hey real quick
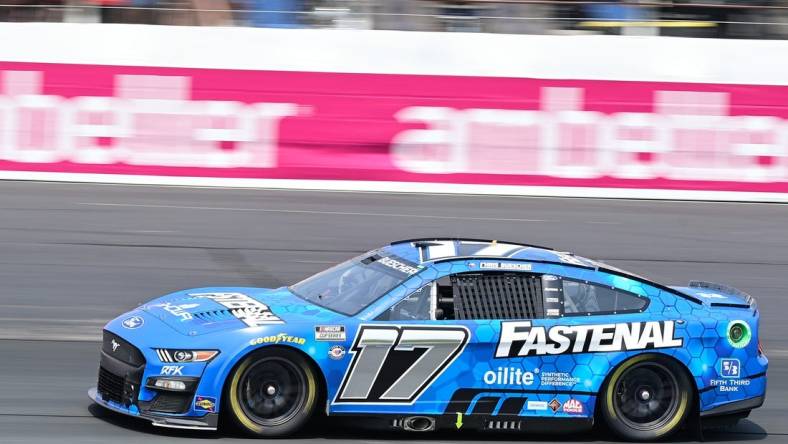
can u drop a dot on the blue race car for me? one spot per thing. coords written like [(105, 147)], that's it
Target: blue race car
[(431, 334)]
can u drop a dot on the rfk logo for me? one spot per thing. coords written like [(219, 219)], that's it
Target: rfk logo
[(172, 370)]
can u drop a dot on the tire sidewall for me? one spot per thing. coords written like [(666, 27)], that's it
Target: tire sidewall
[(248, 426), (686, 396)]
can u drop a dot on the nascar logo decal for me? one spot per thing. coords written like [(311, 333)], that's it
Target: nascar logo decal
[(246, 309), (520, 338)]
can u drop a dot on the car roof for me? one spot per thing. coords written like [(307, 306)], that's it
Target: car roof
[(427, 250), (431, 250)]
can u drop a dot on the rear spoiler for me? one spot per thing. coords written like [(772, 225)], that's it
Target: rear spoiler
[(748, 301)]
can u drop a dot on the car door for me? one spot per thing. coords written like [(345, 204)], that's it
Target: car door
[(403, 360), (475, 302), (499, 386)]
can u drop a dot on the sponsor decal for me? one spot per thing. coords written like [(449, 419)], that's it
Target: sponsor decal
[(730, 368), (250, 311), (730, 384), (278, 339), (549, 277), (179, 311), (552, 289), (330, 333), (558, 379), (133, 322), (205, 404), (508, 376), (172, 370), (521, 338), (552, 300), (115, 345), (553, 312), (505, 266), (397, 265), (336, 352), (573, 406), (536, 405), (554, 405)]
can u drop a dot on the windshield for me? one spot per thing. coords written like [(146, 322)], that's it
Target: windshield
[(351, 286)]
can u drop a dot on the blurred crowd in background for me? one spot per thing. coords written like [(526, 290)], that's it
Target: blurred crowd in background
[(698, 18)]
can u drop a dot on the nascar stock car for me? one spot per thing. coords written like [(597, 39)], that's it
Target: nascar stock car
[(431, 334)]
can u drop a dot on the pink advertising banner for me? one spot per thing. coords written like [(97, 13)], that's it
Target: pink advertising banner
[(91, 119)]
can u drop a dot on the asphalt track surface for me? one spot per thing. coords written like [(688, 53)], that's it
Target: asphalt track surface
[(73, 256)]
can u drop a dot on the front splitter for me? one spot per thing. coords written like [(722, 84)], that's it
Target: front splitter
[(207, 422)]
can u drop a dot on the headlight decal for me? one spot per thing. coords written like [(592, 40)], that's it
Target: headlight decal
[(178, 355)]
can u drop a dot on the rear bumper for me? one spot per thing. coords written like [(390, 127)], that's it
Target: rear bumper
[(732, 408), (207, 422)]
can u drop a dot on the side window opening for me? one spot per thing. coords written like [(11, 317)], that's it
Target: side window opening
[(417, 306), (468, 296), (496, 296), (444, 307), (585, 298)]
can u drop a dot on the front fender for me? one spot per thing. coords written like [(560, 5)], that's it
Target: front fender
[(329, 367)]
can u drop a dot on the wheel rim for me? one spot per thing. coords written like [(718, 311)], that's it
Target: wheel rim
[(272, 391), (646, 396)]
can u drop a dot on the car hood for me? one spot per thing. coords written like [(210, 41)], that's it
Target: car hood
[(206, 310)]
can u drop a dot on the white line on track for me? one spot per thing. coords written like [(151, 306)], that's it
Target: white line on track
[(314, 262), (777, 353), (325, 213), (403, 187), (55, 308), (56, 321)]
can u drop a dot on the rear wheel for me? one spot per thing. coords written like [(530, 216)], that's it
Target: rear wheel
[(272, 393), (647, 397)]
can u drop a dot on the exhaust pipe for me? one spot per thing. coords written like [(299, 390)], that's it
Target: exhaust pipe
[(418, 424)]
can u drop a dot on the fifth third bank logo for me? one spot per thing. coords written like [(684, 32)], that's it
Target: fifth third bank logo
[(730, 368)]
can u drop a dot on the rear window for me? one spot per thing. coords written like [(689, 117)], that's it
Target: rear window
[(585, 298)]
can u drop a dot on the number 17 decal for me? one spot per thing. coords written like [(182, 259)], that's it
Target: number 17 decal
[(395, 364)]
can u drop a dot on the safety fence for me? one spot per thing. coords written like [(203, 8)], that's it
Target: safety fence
[(582, 115), (696, 18)]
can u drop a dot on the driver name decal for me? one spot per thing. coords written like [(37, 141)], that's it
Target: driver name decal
[(521, 338), (397, 265)]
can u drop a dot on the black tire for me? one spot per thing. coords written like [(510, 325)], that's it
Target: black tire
[(647, 397), (273, 392)]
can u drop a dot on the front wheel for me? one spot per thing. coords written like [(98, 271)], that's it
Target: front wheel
[(648, 397), (272, 393)]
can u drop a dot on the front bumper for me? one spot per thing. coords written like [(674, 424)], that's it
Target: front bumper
[(207, 422), (126, 385)]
